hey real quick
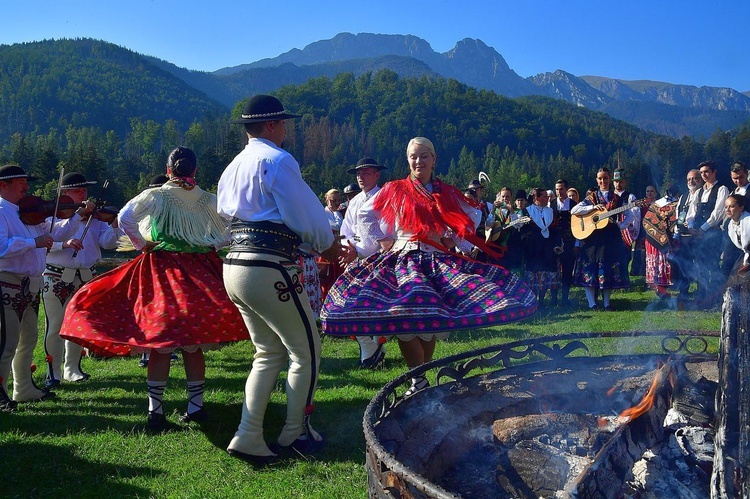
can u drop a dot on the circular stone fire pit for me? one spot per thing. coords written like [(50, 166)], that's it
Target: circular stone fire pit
[(533, 418)]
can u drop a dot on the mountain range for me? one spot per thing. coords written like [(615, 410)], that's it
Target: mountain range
[(81, 82), (666, 108)]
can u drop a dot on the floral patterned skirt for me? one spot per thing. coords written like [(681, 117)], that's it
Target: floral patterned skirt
[(159, 300), (603, 260), (658, 268), (418, 293)]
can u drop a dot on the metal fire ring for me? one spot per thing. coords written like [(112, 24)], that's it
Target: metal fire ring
[(389, 478)]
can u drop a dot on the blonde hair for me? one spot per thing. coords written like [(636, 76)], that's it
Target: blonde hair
[(332, 192), (422, 141)]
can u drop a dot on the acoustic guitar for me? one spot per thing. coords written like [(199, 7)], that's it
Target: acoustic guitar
[(495, 232), (585, 225)]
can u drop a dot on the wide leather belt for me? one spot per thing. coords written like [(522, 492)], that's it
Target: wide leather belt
[(264, 237)]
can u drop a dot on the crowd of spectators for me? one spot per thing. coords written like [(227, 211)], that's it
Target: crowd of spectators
[(682, 246)]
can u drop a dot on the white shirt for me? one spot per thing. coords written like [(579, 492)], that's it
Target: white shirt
[(717, 212), (352, 230), (542, 217), (739, 233), (334, 219), (264, 183), (99, 235), (18, 251)]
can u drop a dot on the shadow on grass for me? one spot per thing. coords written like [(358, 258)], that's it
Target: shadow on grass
[(64, 473)]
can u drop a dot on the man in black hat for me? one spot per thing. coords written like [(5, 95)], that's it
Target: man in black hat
[(70, 264), (367, 170), (272, 210), (22, 255)]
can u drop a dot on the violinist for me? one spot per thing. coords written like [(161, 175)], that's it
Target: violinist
[(70, 264), (22, 254)]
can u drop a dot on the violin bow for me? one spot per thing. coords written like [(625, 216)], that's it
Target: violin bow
[(57, 201), (88, 222)]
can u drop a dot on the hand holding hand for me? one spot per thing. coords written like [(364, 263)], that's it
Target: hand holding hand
[(348, 253)]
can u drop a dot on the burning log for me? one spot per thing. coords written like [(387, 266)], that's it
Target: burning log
[(732, 445), (640, 428)]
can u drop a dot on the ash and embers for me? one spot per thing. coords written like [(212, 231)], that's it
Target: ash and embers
[(555, 430)]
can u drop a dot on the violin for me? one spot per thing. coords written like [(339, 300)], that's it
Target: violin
[(33, 210), (106, 214)]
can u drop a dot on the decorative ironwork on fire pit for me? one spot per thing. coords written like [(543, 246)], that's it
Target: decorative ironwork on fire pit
[(389, 477)]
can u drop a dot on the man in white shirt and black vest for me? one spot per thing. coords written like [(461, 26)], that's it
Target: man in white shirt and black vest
[(709, 216)]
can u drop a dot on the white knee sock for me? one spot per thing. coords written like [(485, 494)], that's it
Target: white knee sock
[(156, 395), (195, 395)]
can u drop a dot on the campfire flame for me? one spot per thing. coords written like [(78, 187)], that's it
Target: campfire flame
[(663, 374)]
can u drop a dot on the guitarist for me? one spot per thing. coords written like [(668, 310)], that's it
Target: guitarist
[(599, 264), (561, 208)]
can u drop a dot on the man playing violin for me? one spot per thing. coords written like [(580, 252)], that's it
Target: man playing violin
[(70, 264), (22, 255)]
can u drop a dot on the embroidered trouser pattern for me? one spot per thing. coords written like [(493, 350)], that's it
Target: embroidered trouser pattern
[(269, 294), (56, 295), (18, 333)]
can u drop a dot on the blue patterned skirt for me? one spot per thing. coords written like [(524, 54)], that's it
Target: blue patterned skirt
[(417, 292)]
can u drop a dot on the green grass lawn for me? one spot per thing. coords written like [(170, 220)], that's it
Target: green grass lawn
[(90, 440)]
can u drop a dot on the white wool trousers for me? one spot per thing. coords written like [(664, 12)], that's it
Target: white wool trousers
[(269, 293), (56, 295), (18, 333)]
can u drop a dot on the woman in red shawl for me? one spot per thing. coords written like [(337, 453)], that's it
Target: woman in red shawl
[(417, 287)]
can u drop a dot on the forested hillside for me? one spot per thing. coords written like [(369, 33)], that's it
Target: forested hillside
[(522, 142), (87, 82)]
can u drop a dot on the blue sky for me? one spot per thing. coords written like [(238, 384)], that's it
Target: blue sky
[(689, 41)]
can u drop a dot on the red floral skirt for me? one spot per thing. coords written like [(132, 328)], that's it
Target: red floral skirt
[(160, 299)]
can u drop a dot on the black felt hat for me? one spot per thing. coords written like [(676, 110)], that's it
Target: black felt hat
[(9, 172), (352, 188), (158, 180), (263, 108), (75, 180), (365, 163)]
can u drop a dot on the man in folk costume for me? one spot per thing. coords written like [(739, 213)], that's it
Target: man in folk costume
[(367, 170), (70, 264), (709, 216), (272, 210), (22, 254), (561, 207), (683, 261)]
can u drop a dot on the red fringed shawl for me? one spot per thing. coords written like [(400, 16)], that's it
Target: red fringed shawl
[(423, 213)]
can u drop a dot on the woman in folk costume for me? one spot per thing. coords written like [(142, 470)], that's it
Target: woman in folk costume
[(170, 297), (416, 287), (541, 244), (599, 265), (659, 224)]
